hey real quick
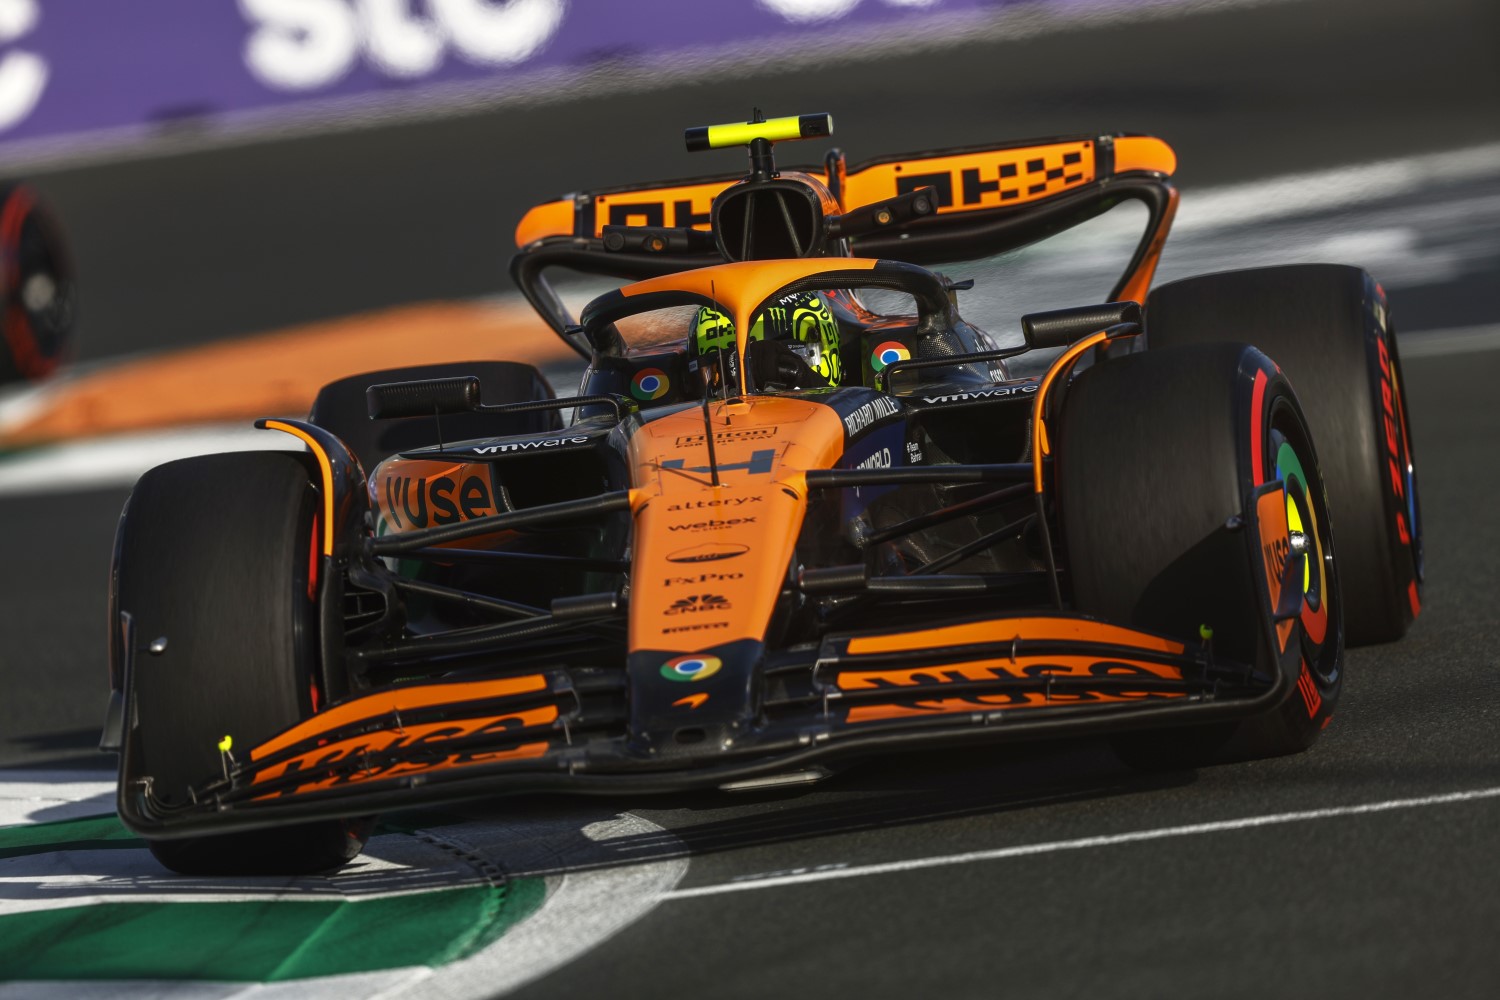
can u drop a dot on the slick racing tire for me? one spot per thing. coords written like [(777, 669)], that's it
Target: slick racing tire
[(37, 288), (1328, 328), (1158, 454), (340, 408), (216, 560)]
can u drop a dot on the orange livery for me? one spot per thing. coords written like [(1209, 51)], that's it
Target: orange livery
[(805, 506)]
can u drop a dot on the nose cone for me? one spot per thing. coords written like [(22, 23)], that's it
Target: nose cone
[(718, 525), (714, 534), (682, 704)]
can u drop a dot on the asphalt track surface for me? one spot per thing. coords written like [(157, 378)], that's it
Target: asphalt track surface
[(828, 890)]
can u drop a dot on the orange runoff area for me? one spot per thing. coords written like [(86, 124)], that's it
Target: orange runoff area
[(279, 373)]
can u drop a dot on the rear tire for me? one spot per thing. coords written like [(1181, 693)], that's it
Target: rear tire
[(1157, 452), (340, 408), (216, 557), (38, 290), (1328, 328)]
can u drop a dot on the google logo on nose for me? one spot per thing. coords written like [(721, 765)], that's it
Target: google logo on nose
[(691, 668)]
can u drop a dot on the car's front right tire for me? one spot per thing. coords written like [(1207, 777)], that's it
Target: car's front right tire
[(216, 565), (1157, 455)]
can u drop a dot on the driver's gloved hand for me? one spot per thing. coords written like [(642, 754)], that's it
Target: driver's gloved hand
[(774, 364)]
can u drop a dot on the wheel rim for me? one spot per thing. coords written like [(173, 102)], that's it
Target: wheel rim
[(1291, 459), (1302, 519)]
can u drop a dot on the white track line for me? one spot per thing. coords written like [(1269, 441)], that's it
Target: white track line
[(37, 796), (1082, 843)]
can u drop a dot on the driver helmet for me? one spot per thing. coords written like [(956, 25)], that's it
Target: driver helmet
[(802, 321)]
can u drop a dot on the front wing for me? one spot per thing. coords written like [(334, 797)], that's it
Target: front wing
[(856, 694)]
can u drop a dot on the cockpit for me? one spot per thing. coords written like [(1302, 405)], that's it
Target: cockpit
[(769, 326)]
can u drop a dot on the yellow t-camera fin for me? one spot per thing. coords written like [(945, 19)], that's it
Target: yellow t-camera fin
[(743, 133)]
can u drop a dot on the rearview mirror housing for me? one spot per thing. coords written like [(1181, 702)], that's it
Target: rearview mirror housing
[(422, 398), (1061, 327)]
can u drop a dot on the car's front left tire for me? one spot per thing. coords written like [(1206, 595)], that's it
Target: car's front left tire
[(1328, 328), (1157, 455)]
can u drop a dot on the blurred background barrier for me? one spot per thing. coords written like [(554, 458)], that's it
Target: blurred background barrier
[(99, 76)]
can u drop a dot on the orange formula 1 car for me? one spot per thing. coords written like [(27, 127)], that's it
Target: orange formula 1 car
[(804, 512)]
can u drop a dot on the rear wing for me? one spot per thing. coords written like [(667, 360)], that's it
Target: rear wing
[(989, 199)]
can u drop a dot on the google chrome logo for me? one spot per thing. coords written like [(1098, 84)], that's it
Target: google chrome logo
[(650, 383), (691, 668), (888, 354)]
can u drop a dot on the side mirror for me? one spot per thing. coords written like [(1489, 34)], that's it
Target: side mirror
[(890, 213), (658, 239), (1061, 327), (423, 398)]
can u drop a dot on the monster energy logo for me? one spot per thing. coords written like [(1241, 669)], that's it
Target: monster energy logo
[(809, 323)]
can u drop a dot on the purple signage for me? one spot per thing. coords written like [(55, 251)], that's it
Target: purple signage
[(92, 69)]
